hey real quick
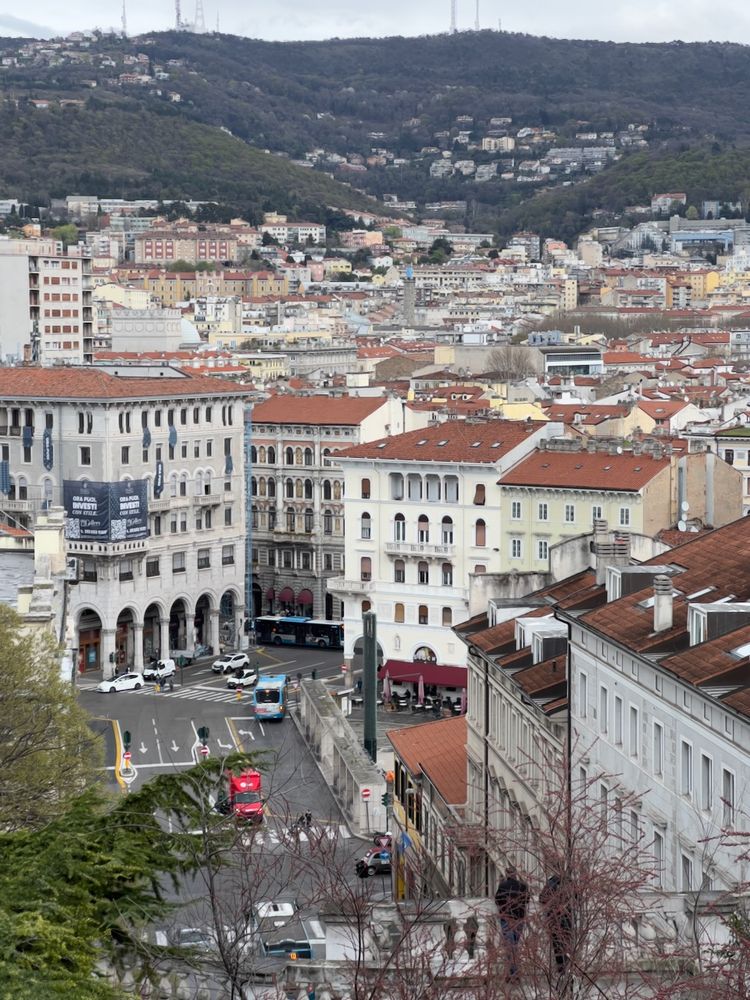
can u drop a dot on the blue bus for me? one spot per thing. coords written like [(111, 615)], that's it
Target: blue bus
[(293, 630), (270, 696)]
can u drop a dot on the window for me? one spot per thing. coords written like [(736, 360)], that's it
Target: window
[(624, 517), (583, 695), (183, 485), (658, 749), (686, 768), (423, 615), (306, 561), (515, 548), (173, 524), (85, 455), (570, 513), (729, 456), (727, 798), (308, 489), (178, 562), (542, 512), (227, 555), (634, 733), (207, 518), (479, 569), (144, 456), (365, 568), (707, 782), (423, 573), (479, 495), (204, 558), (451, 489), (196, 414), (447, 533), (183, 522), (603, 710), (447, 617), (658, 857), (126, 569), (184, 449), (309, 517), (327, 522), (542, 549), (397, 486), (398, 614), (157, 524), (365, 489), (596, 513), (399, 528), (27, 454), (480, 533), (289, 456), (289, 489), (209, 449), (199, 518), (328, 562), (686, 869), (414, 487), (89, 573), (365, 525), (515, 510), (618, 720), (447, 575), (399, 571), (423, 528), (290, 519)]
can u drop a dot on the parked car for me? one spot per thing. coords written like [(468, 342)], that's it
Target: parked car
[(159, 670), (229, 662), (125, 682), (195, 938), (245, 677), (375, 862)]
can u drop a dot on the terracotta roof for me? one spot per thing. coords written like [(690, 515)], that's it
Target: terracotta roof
[(310, 410), (94, 383), (661, 409), (437, 749), (479, 443), (712, 662), (584, 470), (590, 413)]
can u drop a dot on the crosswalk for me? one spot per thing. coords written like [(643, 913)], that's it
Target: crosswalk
[(270, 837), (196, 692)]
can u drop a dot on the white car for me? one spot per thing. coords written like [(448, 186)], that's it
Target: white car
[(230, 662), (125, 682), (243, 678)]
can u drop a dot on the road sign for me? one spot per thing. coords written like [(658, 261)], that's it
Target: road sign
[(365, 793), (127, 757), (204, 751)]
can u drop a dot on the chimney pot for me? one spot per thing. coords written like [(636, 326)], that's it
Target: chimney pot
[(663, 604)]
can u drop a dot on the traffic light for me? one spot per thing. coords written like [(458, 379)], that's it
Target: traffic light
[(203, 734), (385, 799), (126, 739)]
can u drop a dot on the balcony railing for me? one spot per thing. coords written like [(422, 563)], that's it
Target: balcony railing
[(340, 584), (19, 506), (420, 549)]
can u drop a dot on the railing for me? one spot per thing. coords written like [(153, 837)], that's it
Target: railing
[(341, 585), (419, 549)]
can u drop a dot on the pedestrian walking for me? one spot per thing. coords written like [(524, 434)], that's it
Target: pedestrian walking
[(558, 916), (512, 899)]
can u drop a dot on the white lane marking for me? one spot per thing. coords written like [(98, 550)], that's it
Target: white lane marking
[(143, 748), (158, 741), (174, 748)]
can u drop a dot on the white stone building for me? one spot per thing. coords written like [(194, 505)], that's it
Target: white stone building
[(178, 574), (422, 515)]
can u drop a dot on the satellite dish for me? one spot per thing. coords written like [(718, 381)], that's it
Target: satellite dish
[(684, 506), (681, 526), (619, 450)]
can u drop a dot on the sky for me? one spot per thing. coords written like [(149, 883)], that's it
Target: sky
[(619, 20)]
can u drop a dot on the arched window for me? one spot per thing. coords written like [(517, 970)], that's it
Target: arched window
[(327, 493), (366, 606), (327, 522), (447, 617), (423, 528), (299, 489), (447, 575), (365, 526), (253, 486), (447, 532), (365, 568), (289, 489), (199, 483), (399, 528), (433, 488), (173, 485), (308, 456), (289, 456), (253, 454), (425, 655), (47, 489), (326, 456), (272, 456), (480, 533), (298, 456), (271, 487), (336, 489), (397, 486), (365, 489), (398, 614), (262, 486), (309, 520), (23, 488), (308, 489), (262, 455), (423, 573), (183, 484), (290, 519), (423, 615), (207, 482), (399, 571)]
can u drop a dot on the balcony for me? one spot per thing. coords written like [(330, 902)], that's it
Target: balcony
[(340, 585), (207, 499), (18, 506), (107, 549), (422, 549), (162, 504)]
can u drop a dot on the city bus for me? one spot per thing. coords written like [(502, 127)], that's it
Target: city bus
[(270, 697), (291, 630)]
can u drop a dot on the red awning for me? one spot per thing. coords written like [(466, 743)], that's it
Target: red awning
[(432, 673), (305, 598), (287, 595), (270, 594)]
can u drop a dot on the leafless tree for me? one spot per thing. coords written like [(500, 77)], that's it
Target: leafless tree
[(512, 362)]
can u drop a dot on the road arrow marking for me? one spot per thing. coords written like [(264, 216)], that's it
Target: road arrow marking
[(224, 746), (143, 748), (174, 748)]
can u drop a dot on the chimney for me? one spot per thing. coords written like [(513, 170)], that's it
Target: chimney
[(663, 610)]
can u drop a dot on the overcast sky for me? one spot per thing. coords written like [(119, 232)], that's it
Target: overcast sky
[(621, 20)]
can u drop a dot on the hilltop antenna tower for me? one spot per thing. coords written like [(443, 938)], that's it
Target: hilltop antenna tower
[(476, 19), (454, 18), (200, 17), (124, 21), (177, 16)]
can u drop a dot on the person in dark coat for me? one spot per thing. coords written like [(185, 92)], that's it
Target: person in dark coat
[(558, 917), (512, 899)]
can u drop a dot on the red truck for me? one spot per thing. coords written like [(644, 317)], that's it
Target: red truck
[(243, 798)]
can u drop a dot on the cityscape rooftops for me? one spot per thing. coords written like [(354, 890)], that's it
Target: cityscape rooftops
[(316, 410), (97, 384)]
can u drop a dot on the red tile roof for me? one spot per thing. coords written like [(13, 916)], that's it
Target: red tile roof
[(591, 413), (94, 383), (437, 749), (584, 470), (472, 442), (313, 410), (661, 409)]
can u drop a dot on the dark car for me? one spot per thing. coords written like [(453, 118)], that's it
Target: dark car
[(375, 862)]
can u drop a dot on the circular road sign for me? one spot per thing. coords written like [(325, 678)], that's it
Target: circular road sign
[(365, 793)]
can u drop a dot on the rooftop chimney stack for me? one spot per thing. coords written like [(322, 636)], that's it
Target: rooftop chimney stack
[(663, 606)]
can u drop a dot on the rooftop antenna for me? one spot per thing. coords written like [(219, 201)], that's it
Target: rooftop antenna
[(476, 19), (454, 20), (124, 21), (200, 17), (218, 29)]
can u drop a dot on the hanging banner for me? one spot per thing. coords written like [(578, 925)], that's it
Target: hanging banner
[(106, 512), (128, 510), (159, 480), (48, 452)]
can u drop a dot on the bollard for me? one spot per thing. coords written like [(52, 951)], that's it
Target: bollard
[(238, 696)]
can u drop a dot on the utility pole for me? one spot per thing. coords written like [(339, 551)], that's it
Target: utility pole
[(454, 19), (370, 683)]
